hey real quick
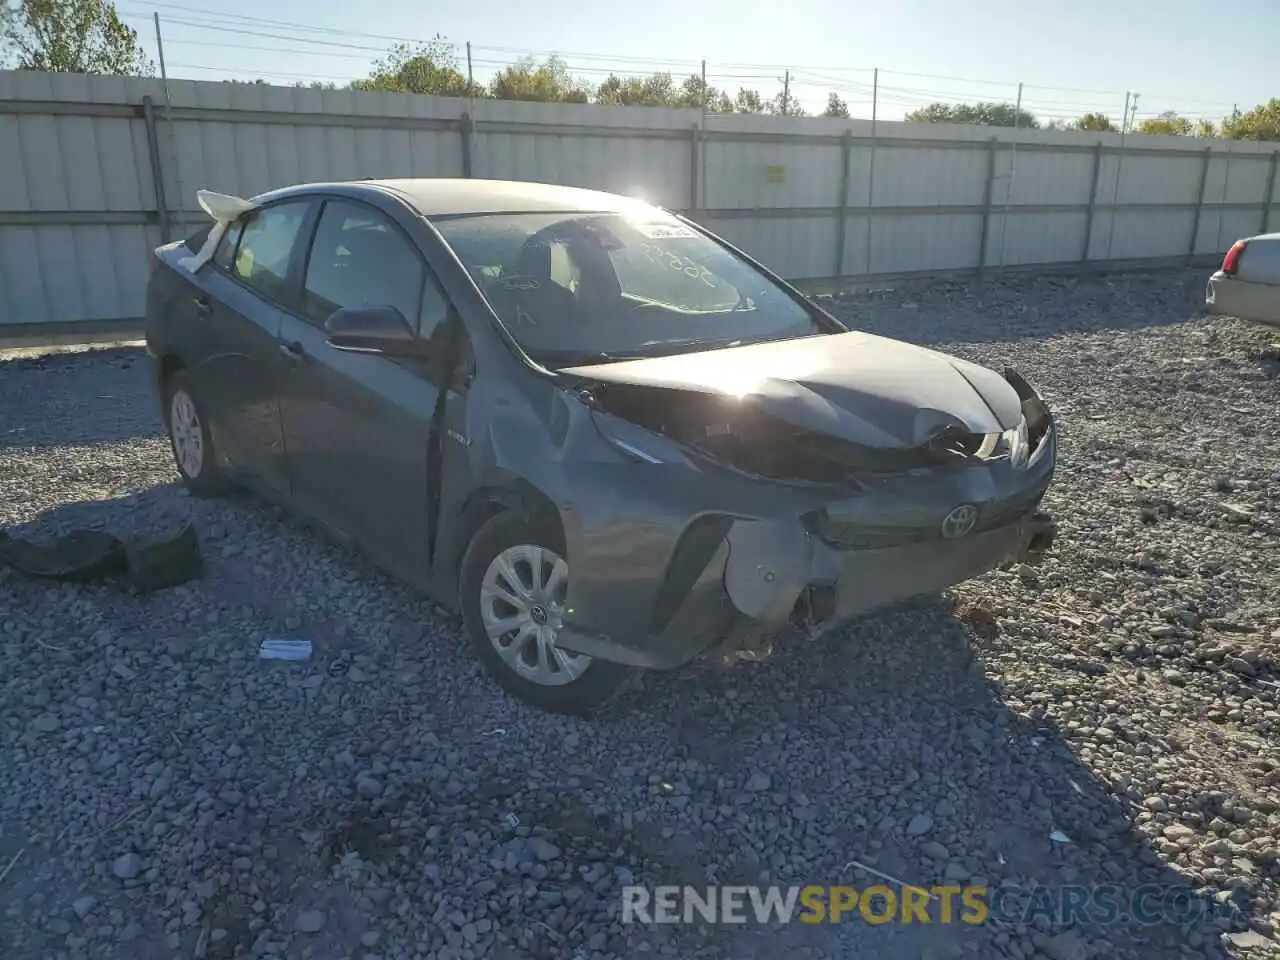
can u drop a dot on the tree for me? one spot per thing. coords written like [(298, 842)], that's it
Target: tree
[(548, 82), (1260, 123), (658, 90), (1206, 129), (748, 101), (1169, 123), (425, 68), (696, 93), (785, 104), (835, 106), (985, 114), (1095, 123), (71, 36)]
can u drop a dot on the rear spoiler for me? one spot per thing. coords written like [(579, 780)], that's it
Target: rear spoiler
[(223, 208)]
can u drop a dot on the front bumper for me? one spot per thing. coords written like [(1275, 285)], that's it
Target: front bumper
[(657, 593)]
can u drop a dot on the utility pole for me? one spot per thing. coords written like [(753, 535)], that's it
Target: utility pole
[(786, 95), (168, 116), (1013, 172), (1130, 101)]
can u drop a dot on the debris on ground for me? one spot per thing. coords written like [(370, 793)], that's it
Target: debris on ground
[(83, 556)]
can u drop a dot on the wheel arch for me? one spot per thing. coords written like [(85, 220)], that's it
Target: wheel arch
[(509, 495)]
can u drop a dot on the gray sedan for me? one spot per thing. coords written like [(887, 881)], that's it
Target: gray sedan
[(1248, 284), (610, 438)]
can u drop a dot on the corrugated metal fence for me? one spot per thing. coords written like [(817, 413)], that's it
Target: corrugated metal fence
[(95, 171)]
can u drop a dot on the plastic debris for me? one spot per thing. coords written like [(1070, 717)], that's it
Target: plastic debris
[(1059, 837), (283, 649), (513, 821)]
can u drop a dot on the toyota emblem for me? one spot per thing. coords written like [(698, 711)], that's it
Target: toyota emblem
[(959, 521)]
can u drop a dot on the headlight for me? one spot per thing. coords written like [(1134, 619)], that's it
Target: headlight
[(1018, 445)]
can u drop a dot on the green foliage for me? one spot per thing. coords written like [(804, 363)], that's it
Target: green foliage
[(1206, 129), (694, 93), (547, 82), (835, 106), (70, 36), (1095, 123), (424, 68), (1260, 123), (785, 104), (658, 90), (985, 114), (1168, 123), (748, 101)]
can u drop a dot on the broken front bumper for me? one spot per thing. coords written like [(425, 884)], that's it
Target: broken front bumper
[(660, 574)]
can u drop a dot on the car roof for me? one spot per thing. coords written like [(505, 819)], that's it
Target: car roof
[(442, 197)]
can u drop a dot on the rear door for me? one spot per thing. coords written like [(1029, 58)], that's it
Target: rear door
[(246, 287), (356, 425)]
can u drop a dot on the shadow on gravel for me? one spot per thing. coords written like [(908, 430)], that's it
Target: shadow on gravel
[(914, 766), (1024, 307), (54, 390)]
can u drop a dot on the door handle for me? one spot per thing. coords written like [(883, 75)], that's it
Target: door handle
[(293, 350), (203, 307)]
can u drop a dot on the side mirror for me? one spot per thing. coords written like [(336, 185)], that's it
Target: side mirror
[(372, 330)]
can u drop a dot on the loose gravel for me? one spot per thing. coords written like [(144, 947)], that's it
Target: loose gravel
[(164, 793)]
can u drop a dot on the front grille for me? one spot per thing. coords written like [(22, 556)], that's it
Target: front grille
[(855, 536)]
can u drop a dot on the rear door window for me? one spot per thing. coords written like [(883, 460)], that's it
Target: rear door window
[(266, 244), (225, 255)]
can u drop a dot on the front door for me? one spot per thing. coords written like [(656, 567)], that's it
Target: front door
[(357, 426)]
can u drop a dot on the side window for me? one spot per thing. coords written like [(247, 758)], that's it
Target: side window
[(358, 259), (226, 251), (266, 243), (435, 310)]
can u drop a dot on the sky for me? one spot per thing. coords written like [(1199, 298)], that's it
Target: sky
[(1072, 56)]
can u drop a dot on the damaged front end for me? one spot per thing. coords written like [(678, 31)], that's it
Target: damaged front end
[(803, 502)]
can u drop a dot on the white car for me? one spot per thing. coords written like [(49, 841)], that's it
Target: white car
[(1248, 284)]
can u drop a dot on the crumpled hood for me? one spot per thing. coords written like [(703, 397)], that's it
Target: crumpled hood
[(863, 388)]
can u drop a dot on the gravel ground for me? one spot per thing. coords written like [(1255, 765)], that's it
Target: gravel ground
[(163, 793)]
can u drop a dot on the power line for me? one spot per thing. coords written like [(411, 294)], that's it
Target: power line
[(315, 35)]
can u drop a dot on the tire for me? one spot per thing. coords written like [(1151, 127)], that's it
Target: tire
[(533, 668), (190, 440)]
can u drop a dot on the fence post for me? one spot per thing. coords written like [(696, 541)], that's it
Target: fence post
[(1271, 191), (466, 127), (157, 173), (695, 207), (986, 205), (842, 223), (1195, 222), (1093, 201)]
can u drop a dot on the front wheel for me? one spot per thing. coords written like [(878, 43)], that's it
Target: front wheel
[(514, 583), (190, 439)]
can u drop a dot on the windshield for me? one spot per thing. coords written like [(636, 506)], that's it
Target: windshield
[(579, 287)]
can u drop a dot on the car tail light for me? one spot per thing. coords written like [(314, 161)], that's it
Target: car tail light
[(1231, 262)]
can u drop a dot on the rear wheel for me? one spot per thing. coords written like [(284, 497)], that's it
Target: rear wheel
[(514, 583), (190, 439)]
